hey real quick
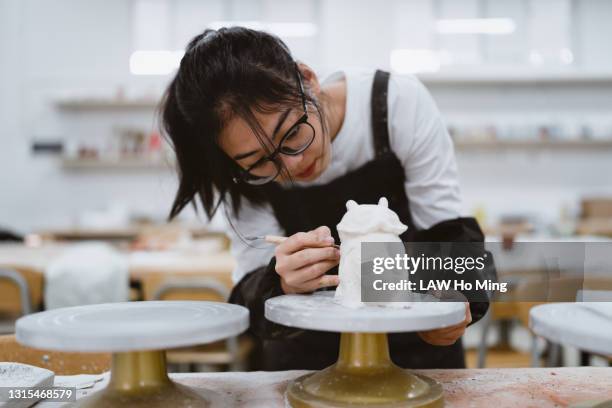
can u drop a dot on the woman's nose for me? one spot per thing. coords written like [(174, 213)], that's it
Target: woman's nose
[(292, 162)]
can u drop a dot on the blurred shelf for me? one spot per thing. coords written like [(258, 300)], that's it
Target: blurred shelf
[(109, 164), (130, 232), (502, 77), (100, 104), (84, 234), (533, 145)]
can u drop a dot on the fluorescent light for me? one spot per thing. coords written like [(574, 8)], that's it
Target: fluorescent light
[(280, 29), (411, 61), (476, 26), (154, 62), (293, 29), (255, 25)]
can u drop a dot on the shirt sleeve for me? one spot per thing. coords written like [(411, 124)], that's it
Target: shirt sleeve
[(252, 221), (255, 278), (419, 138)]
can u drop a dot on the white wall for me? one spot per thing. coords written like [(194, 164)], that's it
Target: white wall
[(53, 46), (531, 182), (12, 154), (49, 47)]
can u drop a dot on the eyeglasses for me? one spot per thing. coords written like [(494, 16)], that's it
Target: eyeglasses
[(297, 139)]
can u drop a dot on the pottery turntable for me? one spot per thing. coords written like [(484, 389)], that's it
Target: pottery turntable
[(364, 374), (137, 333)]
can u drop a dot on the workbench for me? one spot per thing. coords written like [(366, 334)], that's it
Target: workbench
[(499, 388)]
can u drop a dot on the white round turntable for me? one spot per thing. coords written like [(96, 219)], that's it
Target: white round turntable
[(364, 374), (137, 333)]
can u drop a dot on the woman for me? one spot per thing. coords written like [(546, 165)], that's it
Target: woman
[(255, 130)]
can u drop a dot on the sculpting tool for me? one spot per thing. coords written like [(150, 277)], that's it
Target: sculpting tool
[(273, 239)]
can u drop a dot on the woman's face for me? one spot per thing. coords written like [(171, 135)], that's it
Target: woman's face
[(239, 141)]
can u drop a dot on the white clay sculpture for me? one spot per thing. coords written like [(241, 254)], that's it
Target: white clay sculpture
[(362, 223)]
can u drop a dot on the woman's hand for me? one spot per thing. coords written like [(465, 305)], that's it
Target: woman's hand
[(448, 335), (303, 258)]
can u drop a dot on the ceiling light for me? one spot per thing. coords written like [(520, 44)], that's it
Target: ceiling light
[(476, 26), (280, 29)]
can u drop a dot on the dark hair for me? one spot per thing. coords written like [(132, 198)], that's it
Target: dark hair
[(225, 72)]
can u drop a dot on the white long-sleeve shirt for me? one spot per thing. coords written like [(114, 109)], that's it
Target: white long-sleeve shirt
[(418, 137)]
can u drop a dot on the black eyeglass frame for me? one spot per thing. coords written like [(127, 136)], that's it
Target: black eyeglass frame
[(256, 180)]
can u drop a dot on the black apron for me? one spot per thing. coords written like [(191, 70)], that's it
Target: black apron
[(306, 208)]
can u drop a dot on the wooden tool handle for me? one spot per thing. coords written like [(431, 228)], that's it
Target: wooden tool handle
[(276, 239)]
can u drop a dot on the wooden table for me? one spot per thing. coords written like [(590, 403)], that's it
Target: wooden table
[(475, 388), (140, 262)]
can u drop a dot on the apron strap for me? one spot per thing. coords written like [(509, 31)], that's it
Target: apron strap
[(379, 112)]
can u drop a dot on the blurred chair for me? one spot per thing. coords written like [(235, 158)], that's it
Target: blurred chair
[(501, 312), (233, 352), (20, 294), (186, 288), (59, 362)]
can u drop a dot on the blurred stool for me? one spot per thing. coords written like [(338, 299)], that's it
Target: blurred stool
[(20, 294), (511, 308), (233, 352)]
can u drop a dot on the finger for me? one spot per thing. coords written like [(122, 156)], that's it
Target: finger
[(444, 336), (446, 342), (468, 314), (310, 256), (438, 340), (452, 331), (451, 339), (308, 273), (303, 240), (329, 280), (431, 339), (455, 334), (317, 270), (467, 320), (322, 232), (448, 331), (450, 328), (321, 282)]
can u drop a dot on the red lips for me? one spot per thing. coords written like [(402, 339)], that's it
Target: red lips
[(308, 172)]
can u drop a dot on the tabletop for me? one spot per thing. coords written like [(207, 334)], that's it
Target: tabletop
[(515, 387), (140, 262)]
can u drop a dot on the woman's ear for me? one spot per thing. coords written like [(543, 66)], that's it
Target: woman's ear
[(311, 82)]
